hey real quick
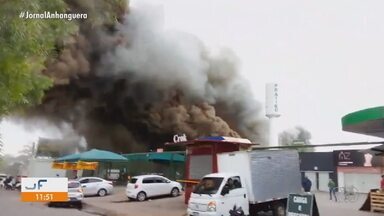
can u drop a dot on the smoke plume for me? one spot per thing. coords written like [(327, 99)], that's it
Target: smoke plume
[(131, 85)]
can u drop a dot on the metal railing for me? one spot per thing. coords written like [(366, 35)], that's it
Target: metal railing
[(346, 194)]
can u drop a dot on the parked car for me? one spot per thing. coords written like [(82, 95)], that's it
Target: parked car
[(96, 186), (144, 186), (75, 195)]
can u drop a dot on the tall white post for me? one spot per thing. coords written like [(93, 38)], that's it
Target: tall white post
[(273, 134), (272, 112)]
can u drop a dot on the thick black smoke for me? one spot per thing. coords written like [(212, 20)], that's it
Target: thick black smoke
[(130, 86)]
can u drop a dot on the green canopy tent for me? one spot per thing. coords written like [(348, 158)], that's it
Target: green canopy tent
[(94, 155)]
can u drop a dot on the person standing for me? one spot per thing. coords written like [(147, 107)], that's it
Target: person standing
[(307, 184), (332, 189)]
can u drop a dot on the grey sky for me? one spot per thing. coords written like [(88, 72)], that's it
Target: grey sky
[(326, 55)]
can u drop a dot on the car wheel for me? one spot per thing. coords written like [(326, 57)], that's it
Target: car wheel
[(175, 192), (102, 192), (79, 205), (141, 196)]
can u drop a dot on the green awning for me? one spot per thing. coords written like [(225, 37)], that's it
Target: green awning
[(368, 121), (156, 156), (136, 156), (167, 157), (71, 157)]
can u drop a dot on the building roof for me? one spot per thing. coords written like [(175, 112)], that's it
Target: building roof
[(368, 121), (93, 155)]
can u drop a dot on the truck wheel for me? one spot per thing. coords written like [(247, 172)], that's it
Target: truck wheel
[(278, 209)]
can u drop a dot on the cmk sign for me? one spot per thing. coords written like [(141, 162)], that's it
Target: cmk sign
[(179, 138)]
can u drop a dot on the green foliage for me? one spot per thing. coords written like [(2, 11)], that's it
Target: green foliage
[(25, 45), (100, 12)]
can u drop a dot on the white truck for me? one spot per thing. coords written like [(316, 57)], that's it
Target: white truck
[(42, 167), (247, 182)]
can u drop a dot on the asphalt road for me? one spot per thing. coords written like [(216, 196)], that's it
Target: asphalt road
[(118, 205), (10, 205)]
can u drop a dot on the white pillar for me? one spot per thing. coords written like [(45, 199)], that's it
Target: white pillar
[(273, 134)]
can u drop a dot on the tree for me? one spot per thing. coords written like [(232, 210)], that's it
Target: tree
[(296, 136), (25, 45)]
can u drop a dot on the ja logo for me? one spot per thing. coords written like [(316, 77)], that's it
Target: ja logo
[(39, 185)]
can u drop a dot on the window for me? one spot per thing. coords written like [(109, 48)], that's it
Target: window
[(148, 181), (73, 184), (94, 180), (84, 181), (200, 165), (133, 180), (160, 180), (208, 186), (233, 183)]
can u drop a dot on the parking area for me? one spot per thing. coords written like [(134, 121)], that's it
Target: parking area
[(118, 205)]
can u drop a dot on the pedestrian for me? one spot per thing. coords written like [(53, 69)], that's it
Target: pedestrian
[(382, 183), (307, 184), (332, 189)]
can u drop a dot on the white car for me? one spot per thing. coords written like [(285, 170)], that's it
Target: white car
[(96, 186), (144, 186), (75, 195)]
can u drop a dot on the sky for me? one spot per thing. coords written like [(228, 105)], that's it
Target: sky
[(325, 55)]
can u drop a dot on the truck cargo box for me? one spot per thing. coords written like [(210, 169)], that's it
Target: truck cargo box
[(269, 174), (39, 167)]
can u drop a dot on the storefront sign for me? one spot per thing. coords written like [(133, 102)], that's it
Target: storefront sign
[(179, 138), (302, 205), (356, 158)]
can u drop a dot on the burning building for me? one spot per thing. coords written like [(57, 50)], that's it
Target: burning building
[(129, 85)]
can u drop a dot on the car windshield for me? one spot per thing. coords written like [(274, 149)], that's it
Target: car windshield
[(208, 186), (73, 184), (133, 180)]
